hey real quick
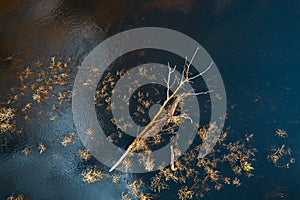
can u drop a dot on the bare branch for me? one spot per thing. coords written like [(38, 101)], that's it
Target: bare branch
[(200, 74), (199, 93), (172, 158), (156, 124)]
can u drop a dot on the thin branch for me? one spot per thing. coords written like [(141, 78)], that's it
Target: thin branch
[(172, 158), (199, 93), (200, 74), (169, 79)]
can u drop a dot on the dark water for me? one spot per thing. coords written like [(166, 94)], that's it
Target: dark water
[(256, 45)]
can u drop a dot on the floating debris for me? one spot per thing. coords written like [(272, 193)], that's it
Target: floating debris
[(68, 138), (194, 176), (90, 131), (247, 166), (38, 84), (115, 178), (236, 182), (26, 151), (135, 190), (93, 174), (84, 154), (7, 122), (185, 193), (281, 156), (126, 196), (19, 197), (281, 133), (42, 148)]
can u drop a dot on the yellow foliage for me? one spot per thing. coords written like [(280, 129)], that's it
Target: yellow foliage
[(247, 166)]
